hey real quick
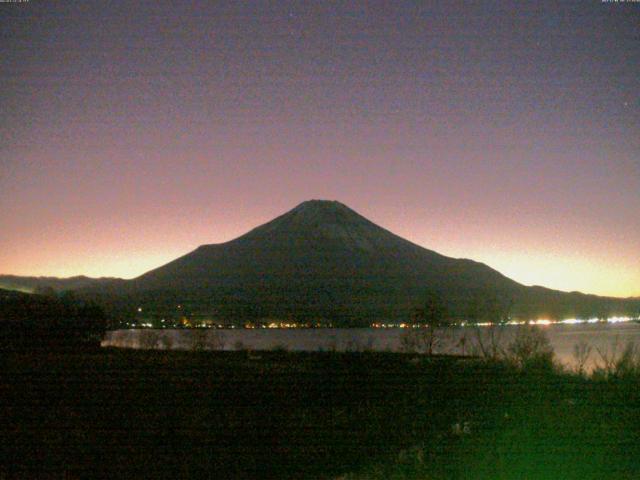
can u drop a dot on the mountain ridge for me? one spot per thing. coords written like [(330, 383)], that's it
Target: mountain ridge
[(41, 284)]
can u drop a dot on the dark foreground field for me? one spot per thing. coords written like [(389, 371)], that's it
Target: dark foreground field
[(134, 414)]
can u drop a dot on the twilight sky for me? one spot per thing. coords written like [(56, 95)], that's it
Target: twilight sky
[(503, 131)]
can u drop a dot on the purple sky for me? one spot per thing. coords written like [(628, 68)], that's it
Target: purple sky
[(506, 132)]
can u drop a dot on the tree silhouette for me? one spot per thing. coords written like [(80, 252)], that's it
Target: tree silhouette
[(489, 314), (430, 317)]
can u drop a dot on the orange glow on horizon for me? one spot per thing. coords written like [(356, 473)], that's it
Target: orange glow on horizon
[(566, 274)]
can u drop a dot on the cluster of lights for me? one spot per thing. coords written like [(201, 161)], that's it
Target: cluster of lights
[(276, 325), (540, 321), (283, 325), (395, 325), (573, 321)]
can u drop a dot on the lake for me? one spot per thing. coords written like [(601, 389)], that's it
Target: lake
[(608, 338)]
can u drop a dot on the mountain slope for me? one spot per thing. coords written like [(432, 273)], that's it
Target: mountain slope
[(322, 260), (316, 240)]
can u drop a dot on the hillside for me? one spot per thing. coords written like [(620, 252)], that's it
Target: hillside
[(33, 321), (45, 284)]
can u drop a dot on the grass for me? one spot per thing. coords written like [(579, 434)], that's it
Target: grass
[(157, 414)]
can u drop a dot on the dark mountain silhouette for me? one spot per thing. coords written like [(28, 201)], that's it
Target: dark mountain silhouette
[(323, 261), (48, 284)]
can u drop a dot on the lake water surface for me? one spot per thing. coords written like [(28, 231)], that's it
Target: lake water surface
[(605, 337)]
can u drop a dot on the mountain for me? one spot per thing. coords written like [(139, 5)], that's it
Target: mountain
[(323, 261), (44, 284)]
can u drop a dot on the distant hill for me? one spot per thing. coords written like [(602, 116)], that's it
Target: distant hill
[(44, 284), (323, 261)]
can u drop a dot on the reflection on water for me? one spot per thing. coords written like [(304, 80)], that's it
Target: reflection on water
[(602, 337)]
